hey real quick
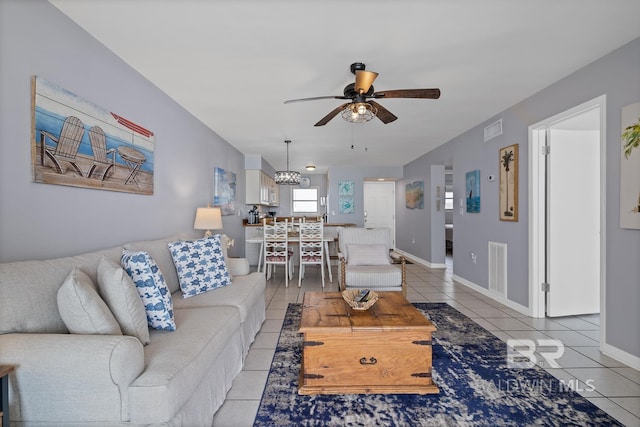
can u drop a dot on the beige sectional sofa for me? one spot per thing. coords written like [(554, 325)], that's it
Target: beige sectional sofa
[(180, 378)]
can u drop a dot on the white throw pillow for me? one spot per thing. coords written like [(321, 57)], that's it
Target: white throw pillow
[(151, 287), (200, 265), (368, 254), (120, 294), (82, 309)]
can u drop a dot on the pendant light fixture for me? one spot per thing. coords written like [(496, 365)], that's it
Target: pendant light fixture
[(287, 177)]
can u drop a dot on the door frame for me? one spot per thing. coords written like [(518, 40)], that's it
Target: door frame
[(537, 207)]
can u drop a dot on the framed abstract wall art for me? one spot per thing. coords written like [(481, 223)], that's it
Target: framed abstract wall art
[(224, 191), (472, 180), (630, 167), (79, 144), (414, 195), (508, 200)]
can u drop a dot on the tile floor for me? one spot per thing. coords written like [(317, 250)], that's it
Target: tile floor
[(607, 383)]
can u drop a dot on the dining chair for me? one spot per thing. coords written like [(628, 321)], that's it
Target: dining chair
[(311, 247), (276, 248)]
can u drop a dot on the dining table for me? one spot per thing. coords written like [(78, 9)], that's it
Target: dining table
[(295, 239)]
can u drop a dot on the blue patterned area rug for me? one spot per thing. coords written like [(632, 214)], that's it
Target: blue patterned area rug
[(477, 388)]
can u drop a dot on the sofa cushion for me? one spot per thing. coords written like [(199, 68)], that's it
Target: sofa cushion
[(120, 294), (375, 254), (363, 236), (242, 294), (82, 309), (29, 290), (151, 287), (176, 362), (200, 265), (378, 277), (161, 255)]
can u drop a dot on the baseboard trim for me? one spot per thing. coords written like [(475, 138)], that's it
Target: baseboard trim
[(421, 261), (496, 297), (621, 356)]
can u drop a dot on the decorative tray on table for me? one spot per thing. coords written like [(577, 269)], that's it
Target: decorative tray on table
[(360, 299)]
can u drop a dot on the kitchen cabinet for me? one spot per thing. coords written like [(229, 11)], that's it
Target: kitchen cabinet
[(261, 189)]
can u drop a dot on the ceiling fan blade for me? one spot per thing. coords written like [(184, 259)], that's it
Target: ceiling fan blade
[(316, 98), (331, 115), (364, 80), (383, 114), (408, 93)]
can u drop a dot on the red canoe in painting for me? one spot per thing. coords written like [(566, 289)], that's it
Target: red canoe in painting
[(134, 127)]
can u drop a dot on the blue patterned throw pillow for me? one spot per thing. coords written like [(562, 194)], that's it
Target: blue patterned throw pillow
[(200, 265), (151, 287)]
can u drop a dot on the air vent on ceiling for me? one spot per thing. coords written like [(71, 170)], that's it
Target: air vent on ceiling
[(493, 130)]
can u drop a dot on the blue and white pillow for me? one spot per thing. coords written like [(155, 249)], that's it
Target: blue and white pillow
[(200, 265), (151, 287)]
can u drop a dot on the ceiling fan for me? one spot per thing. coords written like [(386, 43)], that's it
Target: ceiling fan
[(362, 108)]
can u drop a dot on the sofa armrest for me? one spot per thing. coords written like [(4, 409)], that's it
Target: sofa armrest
[(58, 374), (403, 268)]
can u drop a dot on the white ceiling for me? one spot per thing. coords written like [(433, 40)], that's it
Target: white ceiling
[(233, 63)]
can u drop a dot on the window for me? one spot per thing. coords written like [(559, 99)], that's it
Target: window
[(448, 200), (304, 200)]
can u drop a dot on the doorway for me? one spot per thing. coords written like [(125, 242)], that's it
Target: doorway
[(380, 206), (566, 212), (448, 216)]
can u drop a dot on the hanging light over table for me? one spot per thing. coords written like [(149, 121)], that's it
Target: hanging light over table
[(287, 177)]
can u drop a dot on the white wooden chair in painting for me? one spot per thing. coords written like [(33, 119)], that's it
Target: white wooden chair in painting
[(66, 145), (311, 248), (101, 158), (276, 248)]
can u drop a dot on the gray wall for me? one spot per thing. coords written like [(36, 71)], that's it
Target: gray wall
[(42, 220), (617, 76)]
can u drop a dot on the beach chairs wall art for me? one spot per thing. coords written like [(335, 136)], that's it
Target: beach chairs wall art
[(79, 144)]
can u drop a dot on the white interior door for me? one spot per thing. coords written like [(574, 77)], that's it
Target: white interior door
[(573, 215), (380, 206)]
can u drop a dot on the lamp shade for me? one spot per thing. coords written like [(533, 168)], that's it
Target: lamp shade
[(208, 219)]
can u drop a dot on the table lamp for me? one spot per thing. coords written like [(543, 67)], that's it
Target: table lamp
[(207, 219)]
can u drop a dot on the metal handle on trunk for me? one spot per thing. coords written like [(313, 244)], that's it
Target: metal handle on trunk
[(371, 361)]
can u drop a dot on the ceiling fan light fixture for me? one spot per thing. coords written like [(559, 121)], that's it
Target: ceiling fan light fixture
[(359, 112), (287, 177)]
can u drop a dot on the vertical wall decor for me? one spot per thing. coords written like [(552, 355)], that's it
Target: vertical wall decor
[(414, 195), (345, 197), (224, 191), (77, 143), (509, 183), (473, 191), (630, 167)]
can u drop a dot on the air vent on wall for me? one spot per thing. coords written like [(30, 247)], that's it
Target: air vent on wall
[(498, 268), (493, 130)]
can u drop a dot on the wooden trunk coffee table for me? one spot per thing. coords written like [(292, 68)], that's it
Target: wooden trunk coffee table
[(386, 349)]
